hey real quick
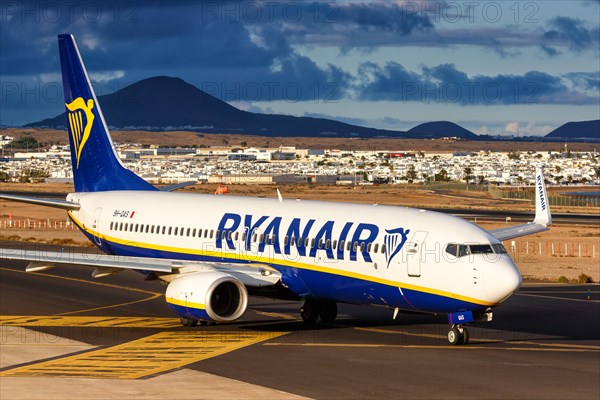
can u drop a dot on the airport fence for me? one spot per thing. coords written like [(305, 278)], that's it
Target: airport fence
[(34, 224), (565, 201), (522, 249)]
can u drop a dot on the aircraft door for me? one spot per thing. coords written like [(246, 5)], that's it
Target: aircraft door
[(96, 224), (414, 253)]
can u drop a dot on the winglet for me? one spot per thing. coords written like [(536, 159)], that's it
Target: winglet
[(542, 207)]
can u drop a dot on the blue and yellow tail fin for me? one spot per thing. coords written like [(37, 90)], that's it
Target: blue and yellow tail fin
[(96, 166)]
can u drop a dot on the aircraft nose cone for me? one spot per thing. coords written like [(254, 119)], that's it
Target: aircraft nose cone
[(501, 281)]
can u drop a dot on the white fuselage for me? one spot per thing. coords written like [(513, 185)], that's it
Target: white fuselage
[(397, 247)]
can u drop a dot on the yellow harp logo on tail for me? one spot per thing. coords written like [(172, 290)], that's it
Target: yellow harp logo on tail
[(81, 119)]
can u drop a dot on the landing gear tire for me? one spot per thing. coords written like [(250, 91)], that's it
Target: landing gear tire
[(454, 336), (458, 335), (465, 336), (309, 311), (328, 311), (189, 322)]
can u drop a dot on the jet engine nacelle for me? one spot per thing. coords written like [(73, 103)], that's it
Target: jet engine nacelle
[(208, 296)]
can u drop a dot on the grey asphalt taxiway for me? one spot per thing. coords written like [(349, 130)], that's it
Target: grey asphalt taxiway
[(544, 342)]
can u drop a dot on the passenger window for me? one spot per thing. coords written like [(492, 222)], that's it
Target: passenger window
[(306, 242), (327, 243), (362, 247), (175, 232), (334, 245), (355, 246), (348, 244), (244, 235), (369, 247), (237, 236), (285, 240), (376, 248), (111, 225), (382, 248)]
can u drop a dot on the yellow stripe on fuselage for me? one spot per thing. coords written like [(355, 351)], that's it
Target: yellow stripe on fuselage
[(284, 263)]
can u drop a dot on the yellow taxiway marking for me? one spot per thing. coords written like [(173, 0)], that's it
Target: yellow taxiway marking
[(557, 346), (144, 357), (152, 297), (582, 292), (557, 298), (89, 321), (418, 346), (390, 331), (277, 315), (131, 289)]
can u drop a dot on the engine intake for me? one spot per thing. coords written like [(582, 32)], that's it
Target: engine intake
[(209, 296)]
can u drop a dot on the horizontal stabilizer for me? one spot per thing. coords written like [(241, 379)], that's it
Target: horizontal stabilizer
[(63, 204), (171, 188)]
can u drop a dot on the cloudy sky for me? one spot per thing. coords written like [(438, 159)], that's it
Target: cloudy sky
[(495, 67)]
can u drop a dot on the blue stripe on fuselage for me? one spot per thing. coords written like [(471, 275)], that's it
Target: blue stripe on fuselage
[(321, 285)]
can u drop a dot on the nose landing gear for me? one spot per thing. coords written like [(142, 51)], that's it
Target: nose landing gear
[(458, 334)]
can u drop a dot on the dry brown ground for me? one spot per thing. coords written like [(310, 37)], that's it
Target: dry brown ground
[(532, 263), (185, 139), (403, 195)]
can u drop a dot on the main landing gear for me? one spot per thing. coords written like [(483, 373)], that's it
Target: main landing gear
[(189, 322), (312, 310), (458, 334)]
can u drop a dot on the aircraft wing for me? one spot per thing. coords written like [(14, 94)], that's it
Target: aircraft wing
[(253, 275), (517, 231), (542, 220)]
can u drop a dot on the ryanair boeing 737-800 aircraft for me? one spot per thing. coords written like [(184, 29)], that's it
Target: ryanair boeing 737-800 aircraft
[(214, 250)]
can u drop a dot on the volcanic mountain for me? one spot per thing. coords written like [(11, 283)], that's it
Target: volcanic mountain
[(165, 103), (577, 130)]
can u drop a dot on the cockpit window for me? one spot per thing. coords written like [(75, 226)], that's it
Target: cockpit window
[(452, 248), (461, 250), (499, 248), (481, 249)]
